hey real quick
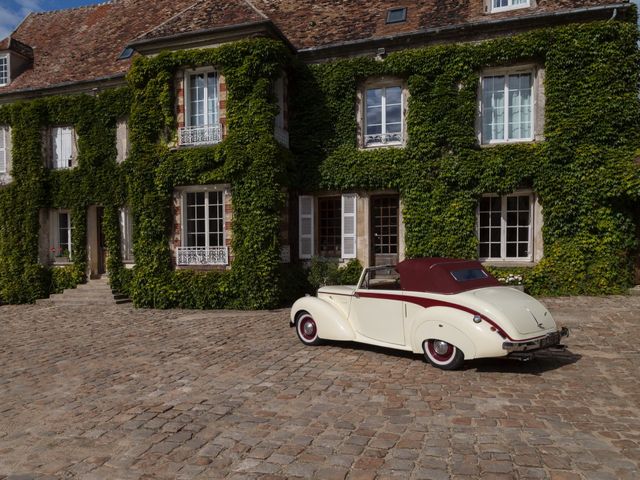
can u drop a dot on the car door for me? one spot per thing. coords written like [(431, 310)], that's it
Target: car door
[(377, 311)]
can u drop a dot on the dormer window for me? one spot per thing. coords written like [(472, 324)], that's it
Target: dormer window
[(4, 70), (503, 5)]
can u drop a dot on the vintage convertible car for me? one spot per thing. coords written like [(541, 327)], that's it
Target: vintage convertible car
[(448, 309)]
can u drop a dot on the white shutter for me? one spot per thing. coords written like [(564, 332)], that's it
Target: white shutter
[(306, 226), (3, 150), (67, 147), (349, 225)]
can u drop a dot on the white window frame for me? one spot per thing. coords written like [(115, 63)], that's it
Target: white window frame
[(206, 189), (534, 92), (347, 216), (55, 235), (122, 140), (503, 228), (7, 62), (4, 149), (57, 135), (187, 96), (509, 6), (383, 85)]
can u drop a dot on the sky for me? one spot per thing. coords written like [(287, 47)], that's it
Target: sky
[(12, 12)]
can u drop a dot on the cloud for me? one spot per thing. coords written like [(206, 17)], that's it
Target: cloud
[(11, 15)]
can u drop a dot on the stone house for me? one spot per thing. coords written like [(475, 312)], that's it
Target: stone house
[(87, 51)]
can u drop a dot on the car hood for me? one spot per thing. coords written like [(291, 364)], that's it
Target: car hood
[(523, 312)]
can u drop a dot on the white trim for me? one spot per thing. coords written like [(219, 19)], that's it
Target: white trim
[(126, 234), (505, 73), (306, 218), (54, 247), (349, 217)]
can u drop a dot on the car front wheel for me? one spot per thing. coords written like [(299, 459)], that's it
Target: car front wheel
[(442, 354), (307, 329)]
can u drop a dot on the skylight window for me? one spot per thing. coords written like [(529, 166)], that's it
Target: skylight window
[(397, 15), (126, 53)]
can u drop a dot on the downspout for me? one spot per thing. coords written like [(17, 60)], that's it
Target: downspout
[(615, 14)]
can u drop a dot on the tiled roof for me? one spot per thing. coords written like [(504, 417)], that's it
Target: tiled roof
[(315, 23), (206, 15), (83, 44)]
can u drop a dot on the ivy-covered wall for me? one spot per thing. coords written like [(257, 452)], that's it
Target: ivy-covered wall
[(583, 172)]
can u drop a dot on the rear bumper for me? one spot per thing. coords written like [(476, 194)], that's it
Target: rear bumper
[(548, 341)]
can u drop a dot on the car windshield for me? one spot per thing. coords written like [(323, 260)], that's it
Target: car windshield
[(467, 274), (381, 278)]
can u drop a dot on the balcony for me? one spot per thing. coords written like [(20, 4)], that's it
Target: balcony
[(202, 256), (204, 135), (383, 139)]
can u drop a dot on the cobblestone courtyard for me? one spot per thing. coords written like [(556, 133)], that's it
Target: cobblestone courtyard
[(119, 393)]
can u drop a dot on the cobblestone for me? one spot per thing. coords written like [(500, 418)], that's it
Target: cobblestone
[(115, 392)]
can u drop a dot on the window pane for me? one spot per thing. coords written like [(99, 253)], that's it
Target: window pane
[(495, 250), (520, 106), (196, 96), (493, 108), (374, 97), (394, 95), (212, 98), (512, 250), (329, 226), (394, 114)]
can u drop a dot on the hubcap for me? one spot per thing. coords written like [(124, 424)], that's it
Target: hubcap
[(308, 328), (441, 347)]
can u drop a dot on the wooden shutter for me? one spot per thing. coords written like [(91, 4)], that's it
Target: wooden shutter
[(349, 226), (306, 226)]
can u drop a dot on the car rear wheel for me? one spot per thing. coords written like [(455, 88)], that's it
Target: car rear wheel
[(443, 355), (307, 329)]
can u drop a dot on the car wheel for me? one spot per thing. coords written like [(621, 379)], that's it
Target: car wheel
[(307, 329), (442, 354)]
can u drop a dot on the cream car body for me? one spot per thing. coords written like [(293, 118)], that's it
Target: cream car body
[(487, 321)]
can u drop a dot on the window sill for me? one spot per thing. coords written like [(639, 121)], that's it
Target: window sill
[(373, 146), (510, 142), (508, 263), (61, 263), (508, 9)]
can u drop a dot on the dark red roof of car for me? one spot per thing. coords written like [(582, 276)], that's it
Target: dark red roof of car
[(436, 275)]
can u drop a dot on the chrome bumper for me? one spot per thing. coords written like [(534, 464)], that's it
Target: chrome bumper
[(548, 341)]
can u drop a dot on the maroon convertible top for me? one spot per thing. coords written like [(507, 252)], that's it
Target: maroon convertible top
[(443, 275)]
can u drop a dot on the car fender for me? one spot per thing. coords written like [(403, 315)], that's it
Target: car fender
[(331, 323), (444, 323)]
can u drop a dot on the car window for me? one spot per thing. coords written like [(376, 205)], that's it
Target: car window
[(381, 279), (469, 274)]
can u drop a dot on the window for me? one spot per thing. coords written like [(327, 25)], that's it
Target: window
[(202, 109), (4, 70), (505, 227), (396, 15), (4, 150), (203, 232), (335, 230), (63, 147), (61, 230), (122, 141), (507, 108), (383, 116), (126, 235), (502, 5), (329, 228)]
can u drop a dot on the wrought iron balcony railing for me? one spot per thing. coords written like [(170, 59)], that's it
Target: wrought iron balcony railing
[(202, 256)]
